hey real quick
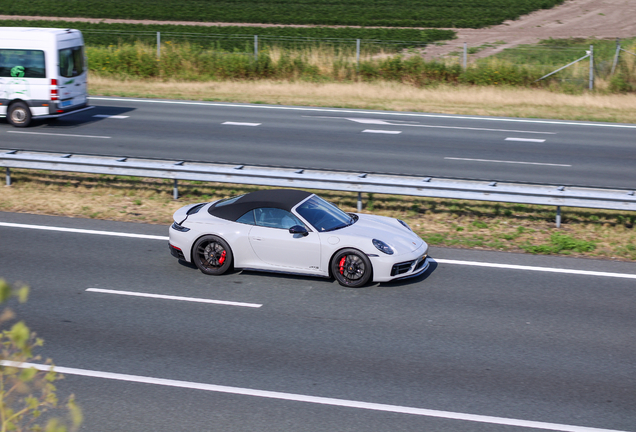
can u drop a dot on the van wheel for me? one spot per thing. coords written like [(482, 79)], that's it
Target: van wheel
[(19, 114)]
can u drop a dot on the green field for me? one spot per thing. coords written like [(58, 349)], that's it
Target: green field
[(242, 38), (413, 13)]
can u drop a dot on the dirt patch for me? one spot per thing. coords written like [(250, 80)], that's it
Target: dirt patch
[(600, 19), (575, 18)]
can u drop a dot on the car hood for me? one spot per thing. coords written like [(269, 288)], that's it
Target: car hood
[(386, 229)]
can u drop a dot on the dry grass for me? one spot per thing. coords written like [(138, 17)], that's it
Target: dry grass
[(468, 100), (468, 224)]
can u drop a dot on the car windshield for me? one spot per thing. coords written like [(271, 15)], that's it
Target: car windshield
[(323, 215)]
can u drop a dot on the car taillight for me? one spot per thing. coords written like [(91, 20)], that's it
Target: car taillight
[(54, 89)]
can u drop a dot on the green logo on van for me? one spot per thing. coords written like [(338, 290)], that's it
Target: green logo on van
[(17, 71), (69, 82)]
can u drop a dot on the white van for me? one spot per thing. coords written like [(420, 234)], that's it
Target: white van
[(43, 74)]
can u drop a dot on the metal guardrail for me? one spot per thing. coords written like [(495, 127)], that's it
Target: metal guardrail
[(598, 198)]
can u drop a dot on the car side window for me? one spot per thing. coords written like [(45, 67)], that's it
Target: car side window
[(275, 218), (247, 218)]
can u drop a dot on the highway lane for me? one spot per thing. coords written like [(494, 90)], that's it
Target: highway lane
[(503, 149), (496, 342)]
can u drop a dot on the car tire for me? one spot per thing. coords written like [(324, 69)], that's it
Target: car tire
[(351, 268), (19, 114), (212, 255)]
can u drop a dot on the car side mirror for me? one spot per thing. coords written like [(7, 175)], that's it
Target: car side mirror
[(298, 229)]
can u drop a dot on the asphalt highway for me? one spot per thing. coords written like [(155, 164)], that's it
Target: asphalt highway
[(485, 341), (485, 148)]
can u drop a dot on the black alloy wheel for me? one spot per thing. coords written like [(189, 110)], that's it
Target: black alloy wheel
[(212, 255), (351, 268)]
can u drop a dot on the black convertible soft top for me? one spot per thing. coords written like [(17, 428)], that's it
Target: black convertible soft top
[(284, 199)]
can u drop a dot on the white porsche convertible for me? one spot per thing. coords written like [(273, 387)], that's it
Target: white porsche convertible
[(294, 231)]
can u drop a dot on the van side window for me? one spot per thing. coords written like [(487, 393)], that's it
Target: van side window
[(71, 62), (22, 63)]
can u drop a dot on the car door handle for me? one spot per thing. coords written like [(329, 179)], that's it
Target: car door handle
[(257, 238)]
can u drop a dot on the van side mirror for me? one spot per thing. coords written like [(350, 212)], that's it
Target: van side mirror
[(299, 229)]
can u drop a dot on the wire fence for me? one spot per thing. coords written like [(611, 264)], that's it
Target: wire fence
[(567, 61), (571, 63), (247, 43)]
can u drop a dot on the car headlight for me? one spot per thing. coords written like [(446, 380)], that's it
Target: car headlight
[(382, 247), (177, 227), (405, 224)]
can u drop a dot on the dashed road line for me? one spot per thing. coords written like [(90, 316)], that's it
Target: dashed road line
[(403, 123), (170, 297), (525, 140), (241, 124), (111, 116), (379, 131)]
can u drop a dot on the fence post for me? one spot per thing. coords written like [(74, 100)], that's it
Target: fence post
[(558, 217), (175, 190), (591, 67), (8, 176), (358, 55), (158, 44), (465, 62), (359, 201), (255, 47), (618, 50)]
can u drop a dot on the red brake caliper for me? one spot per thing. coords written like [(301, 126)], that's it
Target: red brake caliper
[(222, 259), (342, 263)]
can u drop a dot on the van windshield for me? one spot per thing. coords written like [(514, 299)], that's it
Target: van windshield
[(72, 62), (22, 63)]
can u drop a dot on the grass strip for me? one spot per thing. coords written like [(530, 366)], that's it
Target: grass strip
[(441, 222)]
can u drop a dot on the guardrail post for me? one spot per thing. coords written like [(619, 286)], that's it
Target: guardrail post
[(8, 176), (558, 217), (255, 47), (158, 44), (175, 190), (358, 55), (359, 201)]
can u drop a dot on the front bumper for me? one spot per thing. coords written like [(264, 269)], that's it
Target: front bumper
[(405, 266)]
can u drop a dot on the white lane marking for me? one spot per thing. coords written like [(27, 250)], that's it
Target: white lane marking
[(111, 116), (58, 134), (308, 399), (359, 120), (538, 269), (508, 162), (445, 261), (377, 131), (525, 139), (84, 231), (402, 123), (241, 124), (169, 297), (389, 113)]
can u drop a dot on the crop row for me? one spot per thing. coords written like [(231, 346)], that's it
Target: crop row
[(242, 38), (411, 13)]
